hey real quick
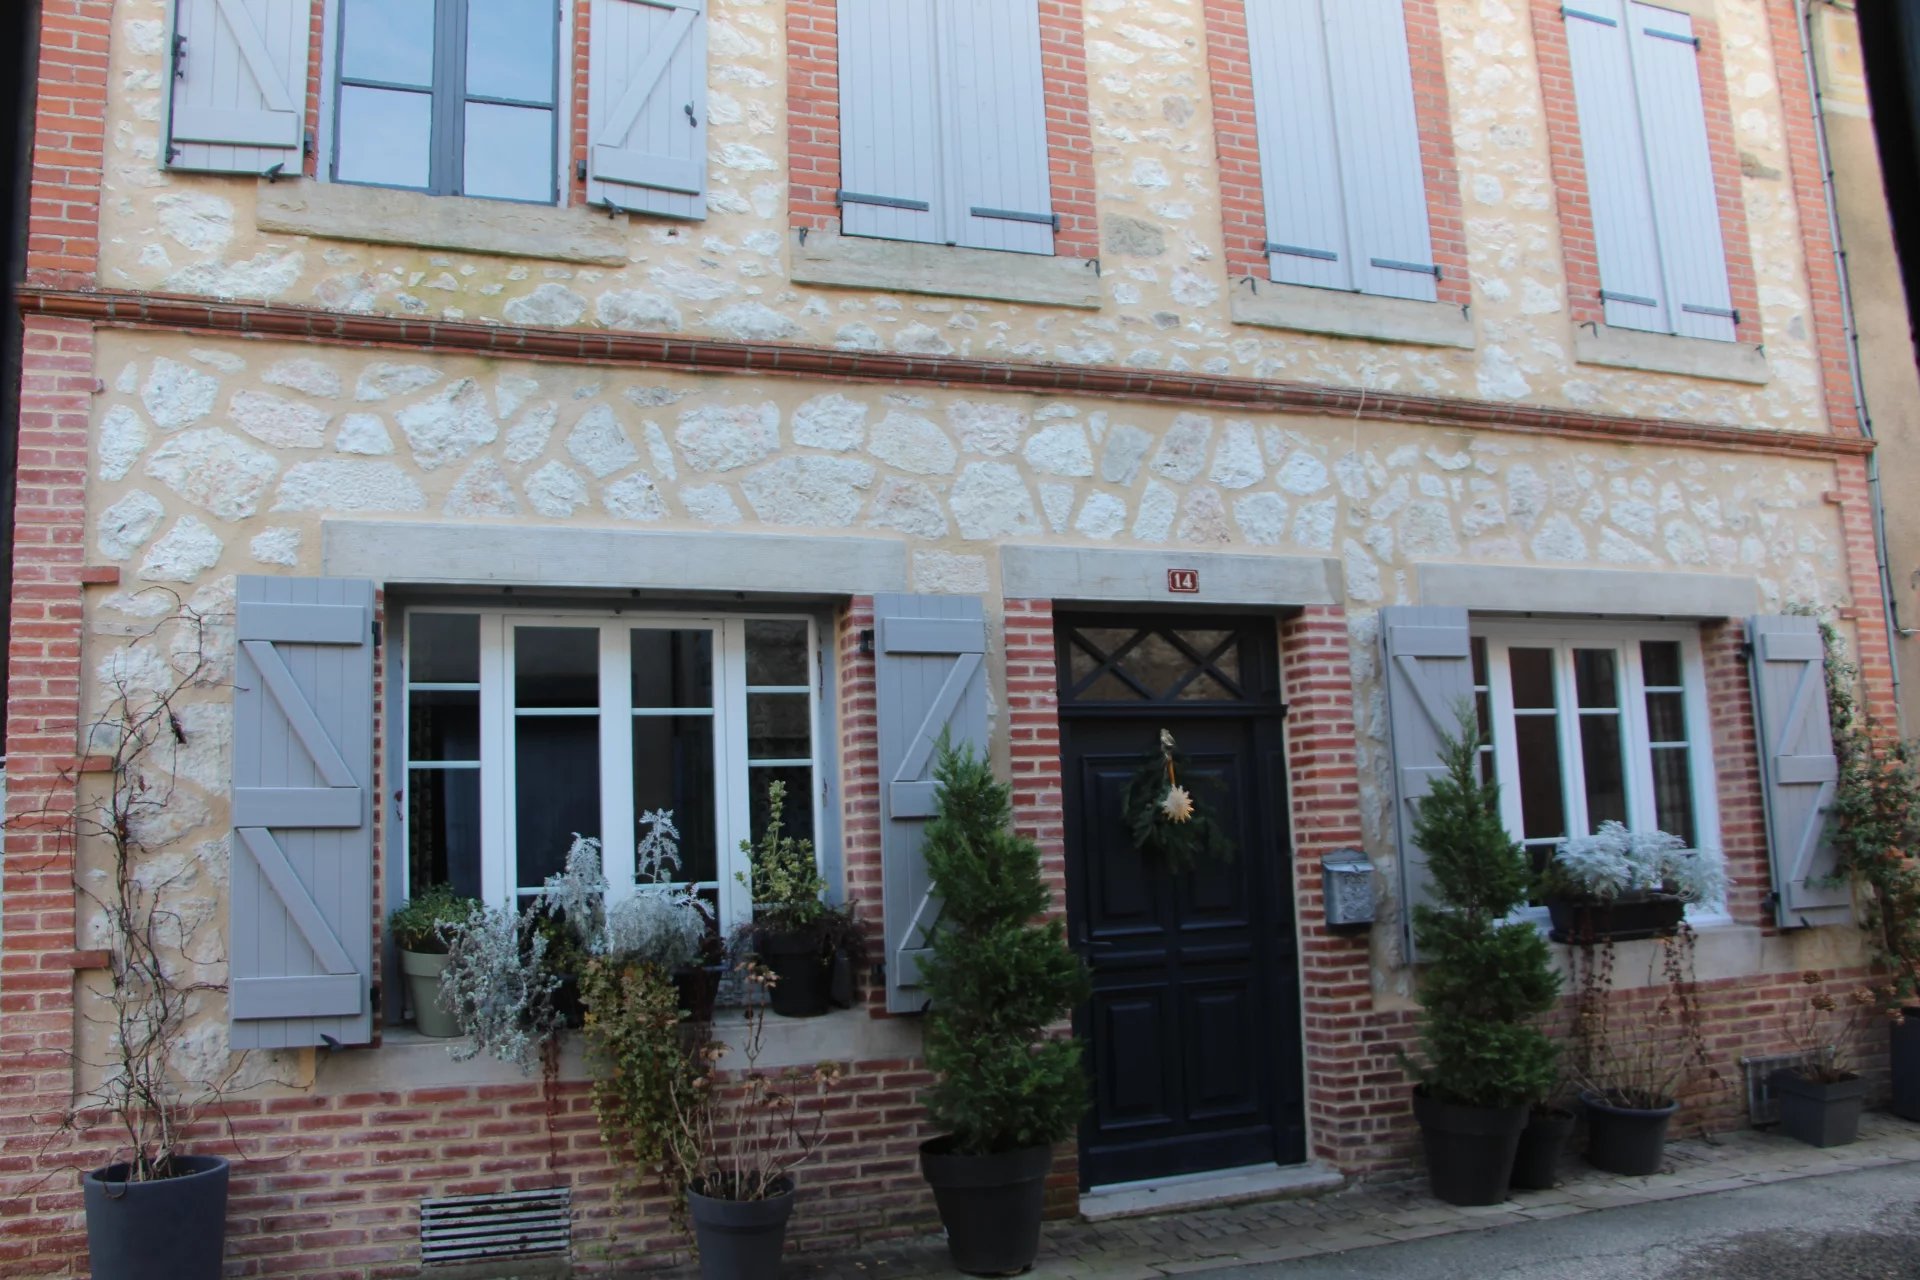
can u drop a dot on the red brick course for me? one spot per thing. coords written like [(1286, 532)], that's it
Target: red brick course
[(69, 145), (1578, 250), (1243, 212), (813, 121)]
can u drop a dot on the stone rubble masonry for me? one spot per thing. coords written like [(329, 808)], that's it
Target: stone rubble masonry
[(1243, 213), (1577, 246), (813, 121)]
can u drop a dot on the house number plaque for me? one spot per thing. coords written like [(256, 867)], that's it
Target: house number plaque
[(1183, 582)]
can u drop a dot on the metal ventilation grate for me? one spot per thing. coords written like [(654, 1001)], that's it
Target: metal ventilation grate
[(513, 1224), (1762, 1106)]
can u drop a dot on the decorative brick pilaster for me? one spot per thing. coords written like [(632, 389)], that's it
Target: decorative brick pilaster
[(1578, 249), (860, 781), (1736, 761), (1243, 209), (69, 143)]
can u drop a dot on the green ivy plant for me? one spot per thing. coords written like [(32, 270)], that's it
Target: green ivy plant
[(1000, 980), (1486, 977), (645, 1074), (1875, 822)]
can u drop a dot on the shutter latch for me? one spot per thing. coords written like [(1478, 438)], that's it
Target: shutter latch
[(179, 57), (692, 121)]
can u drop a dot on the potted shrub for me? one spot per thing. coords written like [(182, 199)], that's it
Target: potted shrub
[(739, 1141), (1874, 822), (1000, 984), (666, 924), (799, 937), (1536, 1161), (1486, 977), (419, 926), (1622, 884), (1820, 1099)]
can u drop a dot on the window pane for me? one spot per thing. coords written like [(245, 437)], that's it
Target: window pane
[(556, 667), (443, 829), (1532, 677), (777, 653), (672, 668), (556, 791), (777, 727), (384, 137), (1673, 792), (1593, 678), (1660, 660), (1605, 782), (443, 648), (1542, 808), (388, 40), (510, 49), (509, 153), (797, 817), (1667, 717), (443, 724), (673, 769)]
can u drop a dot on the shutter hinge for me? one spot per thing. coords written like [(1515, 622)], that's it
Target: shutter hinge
[(1568, 11), (866, 642), (307, 143), (1298, 251), (272, 173), (1723, 313), (1016, 215), (1674, 36), (844, 197), (579, 170), (1610, 295), (376, 633), (179, 57), (1419, 268)]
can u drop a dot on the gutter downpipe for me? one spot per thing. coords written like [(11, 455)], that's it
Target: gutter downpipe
[(1803, 18)]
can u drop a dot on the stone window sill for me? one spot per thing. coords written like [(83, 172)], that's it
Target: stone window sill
[(408, 1060), (1303, 309), (1666, 353), (374, 215), (904, 266)]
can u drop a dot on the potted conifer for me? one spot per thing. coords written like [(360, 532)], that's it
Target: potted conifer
[(1486, 978), (1000, 982)]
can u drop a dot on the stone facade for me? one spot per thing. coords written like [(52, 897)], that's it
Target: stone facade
[(162, 455)]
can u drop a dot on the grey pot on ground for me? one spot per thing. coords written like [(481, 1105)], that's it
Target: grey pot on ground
[(422, 971), (1818, 1113), (1470, 1150), (1631, 1141), (991, 1205), (741, 1239), (174, 1227)]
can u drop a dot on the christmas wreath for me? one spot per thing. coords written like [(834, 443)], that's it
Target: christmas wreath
[(1165, 820)]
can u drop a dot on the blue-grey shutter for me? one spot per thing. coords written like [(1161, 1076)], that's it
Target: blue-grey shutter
[(996, 125), (1686, 208), (1429, 666), (1798, 771), (1307, 235), (238, 93), (931, 678), (647, 106), (890, 137), (1625, 234), (300, 902), (1379, 146)]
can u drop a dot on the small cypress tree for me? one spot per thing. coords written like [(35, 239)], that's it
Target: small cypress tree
[(1486, 977), (998, 977)]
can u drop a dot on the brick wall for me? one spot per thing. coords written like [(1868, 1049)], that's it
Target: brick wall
[(813, 121), (69, 148), (1243, 211), (1578, 250)]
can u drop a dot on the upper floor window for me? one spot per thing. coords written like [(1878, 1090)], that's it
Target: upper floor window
[(1342, 176), (450, 97), (1649, 169), (943, 123)]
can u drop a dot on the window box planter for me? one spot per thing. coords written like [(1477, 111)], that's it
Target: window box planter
[(1631, 1141), (1577, 920), (1819, 1113)]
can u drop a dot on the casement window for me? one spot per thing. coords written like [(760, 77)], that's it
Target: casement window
[(523, 729), (1590, 724), (1649, 169), (451, 97), (1342, 176), (943, 123)]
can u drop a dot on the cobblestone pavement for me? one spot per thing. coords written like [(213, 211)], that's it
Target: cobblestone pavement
[(1360, 1217)]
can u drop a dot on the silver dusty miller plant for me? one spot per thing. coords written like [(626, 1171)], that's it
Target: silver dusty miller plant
[(662, 923)]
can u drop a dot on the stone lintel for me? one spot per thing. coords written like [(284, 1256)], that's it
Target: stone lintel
[(1634, 593), (1141, 577)]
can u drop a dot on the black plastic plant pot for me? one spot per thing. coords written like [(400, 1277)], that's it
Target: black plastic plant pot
[(1631, 1141), (174, 1227), (991, 1205), (802, 978), (741, 1239), (1536, 1163), (1903, 1057), (697, 986), (1817, 1113), (1470, 1150), (1657, 915)]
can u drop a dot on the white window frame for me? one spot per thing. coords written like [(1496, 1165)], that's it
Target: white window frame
[(1502, 635), (564, 55), (733, 821)]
